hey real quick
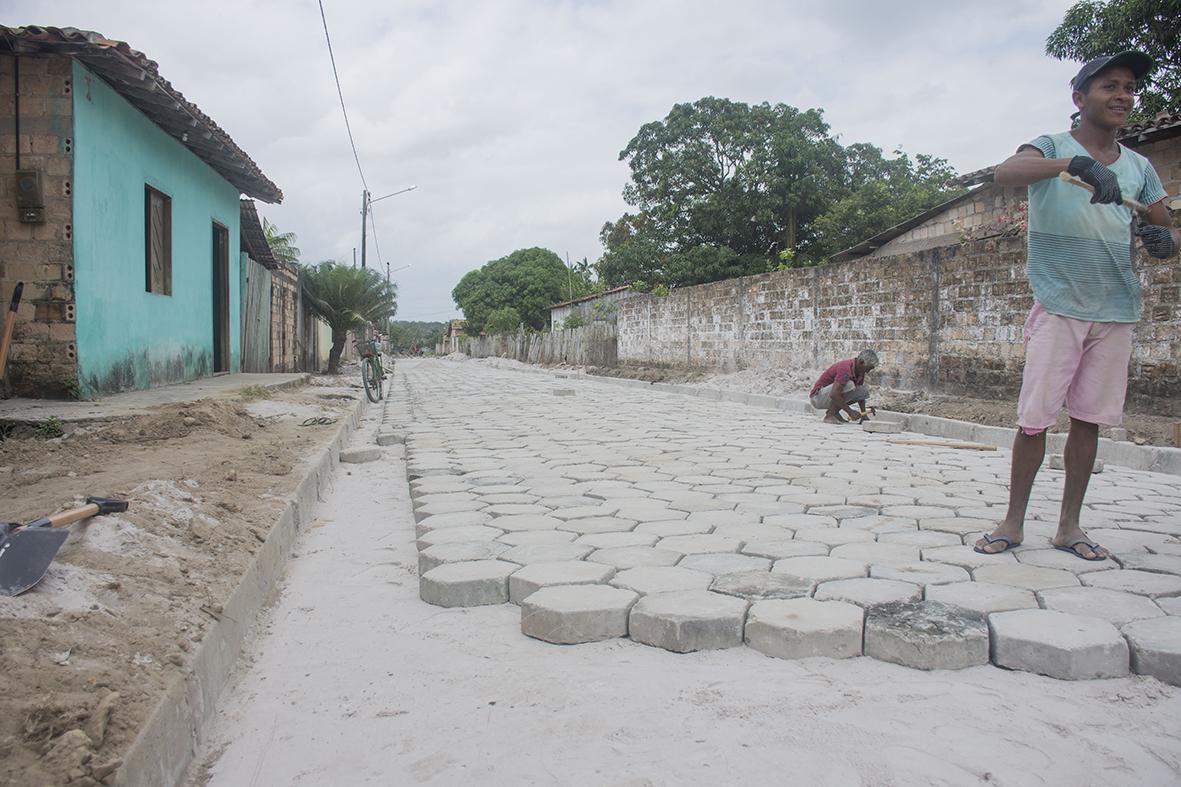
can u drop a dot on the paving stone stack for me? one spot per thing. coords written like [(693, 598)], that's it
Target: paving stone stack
[(691, 525)]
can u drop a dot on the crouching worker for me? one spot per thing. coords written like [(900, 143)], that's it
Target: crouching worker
[(842, 385)]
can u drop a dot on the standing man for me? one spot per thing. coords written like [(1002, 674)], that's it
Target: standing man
[(841, 385), (1078, 336)]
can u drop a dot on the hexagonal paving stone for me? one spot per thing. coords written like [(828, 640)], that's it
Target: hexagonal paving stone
[(724, 563), (1156, 648), (456, 553), (695, 545), (536, 576), (880, 524), (1143, 583), (923, 539), (819, 569), (467, 584), (918, 512), (966, 557), (459, 519), (921, 573), (958, 525), (756, 585), (833, 536), (455, 535), (1056, 558), (598, 524), (688, 620), (843, 512), (1028, 577), (877, 554), (661, 579), (521, 537), (1171, 606), (572, 614), (715, 518), (673, 528), (623, 558), (1069, 647), (583, 511), (803, 627), (1111, 605), (868, 592), (1157, 564), (521, 522), (982, 597), (799, 521), (608, 540), (752, 531), (778, 550), (526, 554), (434, 509), (926, 635)]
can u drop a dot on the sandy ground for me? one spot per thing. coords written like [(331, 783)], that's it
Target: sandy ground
[(87, 652), (355, 681)]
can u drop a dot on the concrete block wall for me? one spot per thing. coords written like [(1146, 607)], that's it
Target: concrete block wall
[(945, 318), (284, 325), (43, 358)]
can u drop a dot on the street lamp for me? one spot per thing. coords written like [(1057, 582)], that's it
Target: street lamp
[(395, 270), (365, 203)]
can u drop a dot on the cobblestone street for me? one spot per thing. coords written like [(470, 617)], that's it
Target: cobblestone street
[(651, 499), (609, 511)]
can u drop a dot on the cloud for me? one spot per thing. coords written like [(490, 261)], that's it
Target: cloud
[(509, 115)]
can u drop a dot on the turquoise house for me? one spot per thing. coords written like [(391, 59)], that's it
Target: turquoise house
[(149, 270)]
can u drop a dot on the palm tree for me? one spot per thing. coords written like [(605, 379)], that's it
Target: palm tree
[(282, 243), (348, 298)]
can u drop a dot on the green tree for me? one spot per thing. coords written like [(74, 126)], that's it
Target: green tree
[(408, 335), (349, 299), (878, 194), (282, 243), (631, 251), (726, 174), (528, 280), (1092, 28), (506, 319)]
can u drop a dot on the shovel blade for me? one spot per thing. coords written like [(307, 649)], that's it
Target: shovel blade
[(25, 557)]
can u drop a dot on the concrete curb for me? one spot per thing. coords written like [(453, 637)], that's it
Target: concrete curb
[(164, 748), (1156, 459)]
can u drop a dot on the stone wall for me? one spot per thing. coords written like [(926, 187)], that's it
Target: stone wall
[(947, 318), (590, 345), (43, 358), (984, 207)]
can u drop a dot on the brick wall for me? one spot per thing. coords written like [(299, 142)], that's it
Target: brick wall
[(284, 324), (982, 208), (945, 318), (42, 360)]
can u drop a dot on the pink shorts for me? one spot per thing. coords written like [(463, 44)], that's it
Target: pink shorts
[(1082, 364)]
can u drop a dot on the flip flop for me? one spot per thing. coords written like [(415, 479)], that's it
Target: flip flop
[(1009, 544), (1088, 544)]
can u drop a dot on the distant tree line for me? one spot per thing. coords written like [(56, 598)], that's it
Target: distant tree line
[(406, 336)]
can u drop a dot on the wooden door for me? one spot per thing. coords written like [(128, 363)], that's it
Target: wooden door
[(221, 299)]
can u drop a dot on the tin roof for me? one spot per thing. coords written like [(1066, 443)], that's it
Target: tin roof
[(138, 80), (590, 297)]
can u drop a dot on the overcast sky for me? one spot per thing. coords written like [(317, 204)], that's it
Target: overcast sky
[(509, 115)]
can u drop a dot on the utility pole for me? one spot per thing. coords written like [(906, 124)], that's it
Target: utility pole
[(569, 277), (364, 218)]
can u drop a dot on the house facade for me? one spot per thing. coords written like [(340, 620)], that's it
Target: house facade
[(132, 268)]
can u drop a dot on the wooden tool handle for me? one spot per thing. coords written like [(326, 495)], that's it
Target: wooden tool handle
[(1139, 207), (73, 515), (9, 326)]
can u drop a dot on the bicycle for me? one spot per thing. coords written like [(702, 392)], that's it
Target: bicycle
[(372, 373)]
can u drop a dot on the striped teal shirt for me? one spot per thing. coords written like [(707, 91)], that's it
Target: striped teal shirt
[(1080, 255)]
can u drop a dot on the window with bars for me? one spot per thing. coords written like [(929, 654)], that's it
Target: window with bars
[(158, 246)]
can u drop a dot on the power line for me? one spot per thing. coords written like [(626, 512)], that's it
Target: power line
[(373, 226), (340, 93)]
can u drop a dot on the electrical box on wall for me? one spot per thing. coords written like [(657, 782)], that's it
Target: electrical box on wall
[(30, 196)]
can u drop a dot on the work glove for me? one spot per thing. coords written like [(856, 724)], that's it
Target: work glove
[(1157, 240), (1100, 177)]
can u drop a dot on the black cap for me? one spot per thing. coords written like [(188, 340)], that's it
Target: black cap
[(1138, 62)]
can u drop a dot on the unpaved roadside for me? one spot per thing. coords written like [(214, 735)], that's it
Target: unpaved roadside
[(88, 652)]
